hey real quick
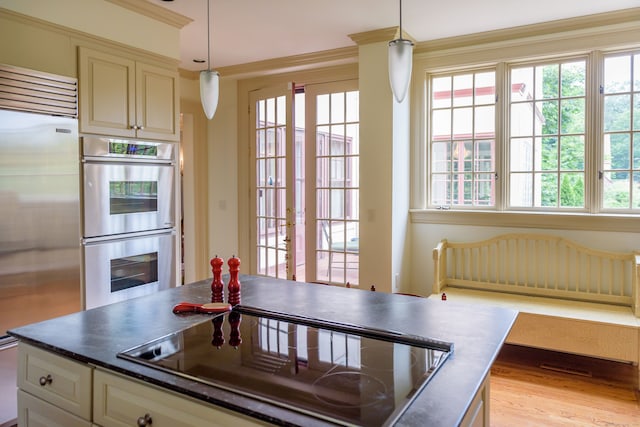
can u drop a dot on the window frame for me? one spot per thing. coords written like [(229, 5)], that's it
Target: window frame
[(592, 38), (631, 52), (429, 137), (590, 140)]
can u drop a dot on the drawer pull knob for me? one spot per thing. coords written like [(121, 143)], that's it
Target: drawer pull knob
[(46, 380), (145, 421)]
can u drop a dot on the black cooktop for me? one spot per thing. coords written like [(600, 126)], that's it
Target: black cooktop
[(344, 374)]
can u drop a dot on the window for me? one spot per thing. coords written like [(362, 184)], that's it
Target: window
[(547, 135), (621, 141), (463, 139), (536, 141)]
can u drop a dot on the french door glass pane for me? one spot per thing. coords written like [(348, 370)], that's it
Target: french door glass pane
[(337, 187), (271, 190)]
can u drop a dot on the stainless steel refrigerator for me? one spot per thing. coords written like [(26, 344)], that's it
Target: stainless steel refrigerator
[(39, 218)]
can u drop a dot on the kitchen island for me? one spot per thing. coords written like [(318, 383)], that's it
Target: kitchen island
[(457, 394)]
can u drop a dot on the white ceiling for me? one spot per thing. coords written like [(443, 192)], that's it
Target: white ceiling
[(244, 31)]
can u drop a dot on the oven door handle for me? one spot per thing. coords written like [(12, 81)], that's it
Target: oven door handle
[(127, 160), (127, 236)]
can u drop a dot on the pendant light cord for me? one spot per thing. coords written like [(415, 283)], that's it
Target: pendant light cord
[(400, 20), (209, 35)]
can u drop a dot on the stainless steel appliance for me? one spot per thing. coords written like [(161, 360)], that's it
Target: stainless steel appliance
[(126, 267), (345, 374), (128, 186), (40, 212), (39, 208), (129, 218)]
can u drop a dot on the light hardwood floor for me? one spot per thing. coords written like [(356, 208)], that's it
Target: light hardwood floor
[(596, 393)]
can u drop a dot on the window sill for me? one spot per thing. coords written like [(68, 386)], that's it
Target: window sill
[(590, 222)]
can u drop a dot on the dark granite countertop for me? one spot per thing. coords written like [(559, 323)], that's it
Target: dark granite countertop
[(477, 332)]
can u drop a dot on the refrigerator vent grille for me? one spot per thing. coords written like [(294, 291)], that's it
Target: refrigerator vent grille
[(37, 92)]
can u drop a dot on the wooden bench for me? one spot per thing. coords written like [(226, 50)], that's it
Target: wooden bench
[(570, 298)]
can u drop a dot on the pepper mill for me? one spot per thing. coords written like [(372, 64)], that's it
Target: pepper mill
[(234, 283), (217, 286), (218, 336), (234, 329)]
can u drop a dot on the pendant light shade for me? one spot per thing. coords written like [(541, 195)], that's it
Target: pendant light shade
[(400, 64), (209, 79), (209, 92)]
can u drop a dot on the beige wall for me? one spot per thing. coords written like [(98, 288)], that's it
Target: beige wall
[(36, 34), (27, 44), (376, 173), (210, 184), (105, 20), (194, 157), (223, 175)]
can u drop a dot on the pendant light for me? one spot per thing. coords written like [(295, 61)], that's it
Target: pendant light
[(400, 63), (209, 79)]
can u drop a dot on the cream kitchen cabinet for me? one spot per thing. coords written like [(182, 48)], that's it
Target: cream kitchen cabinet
[(121, 402), (53, 390), (34, 412), (120, 96), (58, 392), (478, 413)]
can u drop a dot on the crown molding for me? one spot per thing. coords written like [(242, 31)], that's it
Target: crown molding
[(381, 35), (154, 11), (188, 74), (375, 36), (338, 56), (587, 22)]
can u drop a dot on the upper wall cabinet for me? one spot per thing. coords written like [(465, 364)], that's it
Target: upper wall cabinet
[(123, 97)]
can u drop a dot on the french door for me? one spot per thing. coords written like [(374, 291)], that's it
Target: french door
[(271, 117), (305, 152), (333, 147)]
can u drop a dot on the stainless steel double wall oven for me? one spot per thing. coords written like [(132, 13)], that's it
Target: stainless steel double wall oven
[(129, 218)]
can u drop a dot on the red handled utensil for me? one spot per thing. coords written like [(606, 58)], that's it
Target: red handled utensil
[(211, 307)]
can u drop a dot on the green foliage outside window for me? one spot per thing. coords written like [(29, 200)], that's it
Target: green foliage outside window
[(563, 115), (621, 146)]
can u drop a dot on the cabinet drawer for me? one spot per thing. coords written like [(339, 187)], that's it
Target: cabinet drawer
[(60, 381), (33, 412), (120, 402)]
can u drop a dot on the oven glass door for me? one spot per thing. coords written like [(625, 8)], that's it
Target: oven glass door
[(120, 269), (127, 197)]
